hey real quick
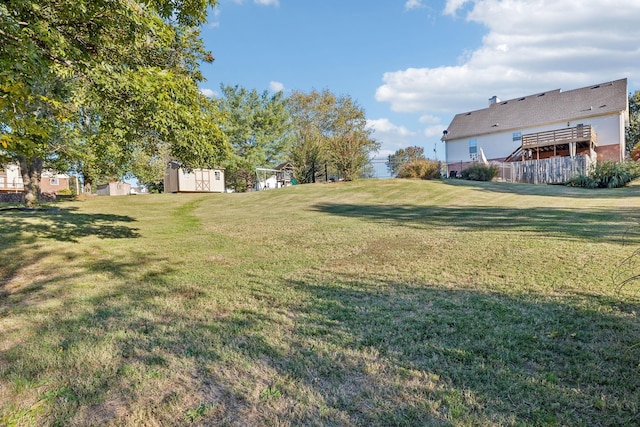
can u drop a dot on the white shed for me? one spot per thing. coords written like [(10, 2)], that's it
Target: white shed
[(181, 180), (114, 189)]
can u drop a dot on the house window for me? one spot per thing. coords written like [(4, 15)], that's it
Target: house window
[(217, 175), (517, 136), (53, 181), (473, 146)]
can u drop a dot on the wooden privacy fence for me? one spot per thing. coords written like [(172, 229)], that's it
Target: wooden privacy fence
[(555, 170)]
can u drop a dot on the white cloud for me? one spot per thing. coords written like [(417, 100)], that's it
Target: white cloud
[(453, 5), (215, 20), (391, 136), (385, 126), (434, 131), (531, 46), (413, 4), (209, 93), (276, 86), (428, 118)]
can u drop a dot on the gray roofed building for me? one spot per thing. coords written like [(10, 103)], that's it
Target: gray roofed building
[(589, 121), (554, 106)]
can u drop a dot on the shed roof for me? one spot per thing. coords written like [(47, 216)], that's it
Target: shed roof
[(542, 108)]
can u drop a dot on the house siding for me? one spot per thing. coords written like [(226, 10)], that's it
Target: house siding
[(499, 145), (604, 107), (47, 187)]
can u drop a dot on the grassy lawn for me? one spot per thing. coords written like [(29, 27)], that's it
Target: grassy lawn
[(354, 304)]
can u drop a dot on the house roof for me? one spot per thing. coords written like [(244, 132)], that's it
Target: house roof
[(285, 165), (542, 108)]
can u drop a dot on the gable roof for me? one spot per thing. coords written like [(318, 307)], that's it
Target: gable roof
[(542, 108)]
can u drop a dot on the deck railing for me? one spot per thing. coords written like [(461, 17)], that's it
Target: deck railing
[(559, 136), (10, 184)]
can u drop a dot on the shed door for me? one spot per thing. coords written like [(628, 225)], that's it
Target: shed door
[(203, 179)]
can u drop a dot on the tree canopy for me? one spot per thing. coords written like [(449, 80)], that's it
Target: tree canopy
[(91, 83), (633, 132), (257, 126), (329, 129), (403, 156)]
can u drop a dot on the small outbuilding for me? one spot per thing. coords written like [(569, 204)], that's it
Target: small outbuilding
[(181, 180), (281, 176), (118, 188)]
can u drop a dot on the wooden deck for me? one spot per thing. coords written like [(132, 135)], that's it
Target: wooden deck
[(8, 185), (556, 143), (583, 134)]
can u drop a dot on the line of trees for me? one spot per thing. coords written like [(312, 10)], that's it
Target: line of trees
[(633, 131), (108, 89), (97, 86)]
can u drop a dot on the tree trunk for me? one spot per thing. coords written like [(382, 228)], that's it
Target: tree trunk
[(87, 181), (31, 170)]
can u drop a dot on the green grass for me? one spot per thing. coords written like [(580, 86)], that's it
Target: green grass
[(391, 302)]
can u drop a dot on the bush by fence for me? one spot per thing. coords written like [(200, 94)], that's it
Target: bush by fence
[(608, 175), (421, 168), (480, 172)]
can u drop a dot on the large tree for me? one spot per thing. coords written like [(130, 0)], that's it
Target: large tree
[(403, 156), (257, 125), (310, 113), (91, 82), (633, 132), (329, 128)]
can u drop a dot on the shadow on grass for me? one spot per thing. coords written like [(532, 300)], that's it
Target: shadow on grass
[(354, 351), (388, 354), (65, 225), (548, 190), (363, 351), (614, 225), (23, 234)]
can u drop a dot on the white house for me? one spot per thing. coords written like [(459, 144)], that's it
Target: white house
[(180, 180), (11, 178), (279, 177), (591, 120)]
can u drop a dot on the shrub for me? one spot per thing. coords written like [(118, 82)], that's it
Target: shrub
[(420, 168), (608, 175), (65, 192), (480, 172), (635, 152)]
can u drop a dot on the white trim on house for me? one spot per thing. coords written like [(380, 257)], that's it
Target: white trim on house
[(604, 107)]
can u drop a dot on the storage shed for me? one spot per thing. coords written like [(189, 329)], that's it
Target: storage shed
[(118, 188), (181, 180)]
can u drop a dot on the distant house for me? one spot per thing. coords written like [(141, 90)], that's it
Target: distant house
[(118, 188), (280, 176), (11, 179), (181, 180), (589, 122), (50, 182)]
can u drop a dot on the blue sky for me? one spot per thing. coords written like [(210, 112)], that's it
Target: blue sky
[(413, 64)]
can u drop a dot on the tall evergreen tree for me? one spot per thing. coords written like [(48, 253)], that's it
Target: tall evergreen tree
[(257, 126)]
